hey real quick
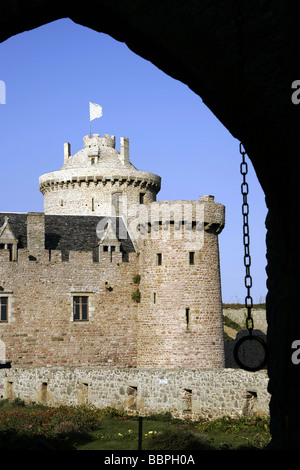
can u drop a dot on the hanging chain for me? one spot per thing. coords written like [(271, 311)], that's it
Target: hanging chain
[(246, 241)]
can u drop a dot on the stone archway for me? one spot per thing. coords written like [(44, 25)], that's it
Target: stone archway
[(241, 59)]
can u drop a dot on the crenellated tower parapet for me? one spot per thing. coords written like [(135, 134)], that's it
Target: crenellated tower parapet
[(96, 141), (161, 219)]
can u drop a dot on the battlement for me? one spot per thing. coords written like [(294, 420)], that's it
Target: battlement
[(94, 144), (92, 141), (206, 211)]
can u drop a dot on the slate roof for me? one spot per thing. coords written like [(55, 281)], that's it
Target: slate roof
[(68, 232)]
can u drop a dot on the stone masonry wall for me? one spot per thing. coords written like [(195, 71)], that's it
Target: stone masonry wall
[(181, 309), (93, 194), (181, 313), (239, 315), (40, 330), (186, 393)]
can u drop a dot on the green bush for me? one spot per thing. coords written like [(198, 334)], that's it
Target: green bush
[(47, 421), (136, 295), (136, 279), (66, 427), (18, 402), (231, 425), (165, 417), (178, 439)]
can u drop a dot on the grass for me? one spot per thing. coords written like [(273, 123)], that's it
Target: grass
[(231, 323), (238, 306), (36, 427)]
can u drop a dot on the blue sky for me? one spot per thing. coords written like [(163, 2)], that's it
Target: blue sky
[(51, 74)]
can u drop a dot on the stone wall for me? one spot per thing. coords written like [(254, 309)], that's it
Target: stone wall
[(181, 313), (59, 261), (180, 321), (186, 393), (238, 315), (41, 331), (84, 193)]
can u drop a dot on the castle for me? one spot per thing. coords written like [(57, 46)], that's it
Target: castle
[(109, 281)]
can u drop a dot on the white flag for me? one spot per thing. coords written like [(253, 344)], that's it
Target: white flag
[(95, 111)]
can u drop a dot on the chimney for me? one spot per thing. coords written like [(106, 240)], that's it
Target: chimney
[(35, 234), (124, 153), (67, 151)]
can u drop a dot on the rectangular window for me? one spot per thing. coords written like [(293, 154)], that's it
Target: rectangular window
[(158, 259), (154, 297), (142, 198), (192, 257), (65, 255), (3, 309), (80, 308), (93, 204), (112, 249)]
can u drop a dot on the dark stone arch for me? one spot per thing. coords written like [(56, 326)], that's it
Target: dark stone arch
[(241, 59)]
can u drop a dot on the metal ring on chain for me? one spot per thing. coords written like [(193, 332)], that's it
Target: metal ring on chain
[(250, 353)]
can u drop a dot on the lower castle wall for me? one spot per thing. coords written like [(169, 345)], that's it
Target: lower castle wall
[(186, 393)]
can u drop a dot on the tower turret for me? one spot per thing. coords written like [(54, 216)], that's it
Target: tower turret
[(97, 180), (180, 315)]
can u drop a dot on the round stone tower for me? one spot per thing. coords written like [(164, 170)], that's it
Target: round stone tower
[(180, 317), (97, 180)]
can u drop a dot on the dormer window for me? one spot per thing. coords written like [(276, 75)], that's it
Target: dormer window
[(8, 241)]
